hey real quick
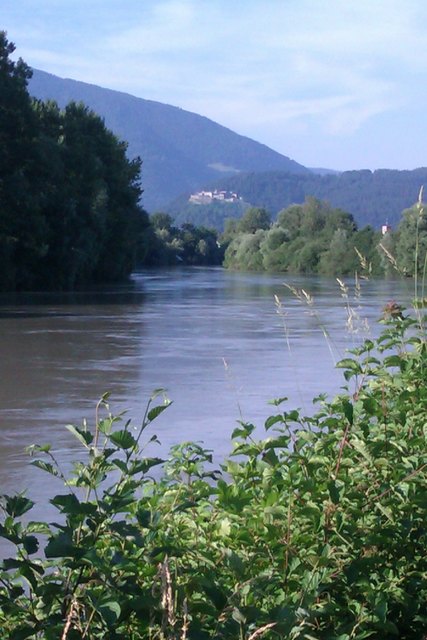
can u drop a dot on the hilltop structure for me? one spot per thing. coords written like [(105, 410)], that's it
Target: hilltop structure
[(206, 197)]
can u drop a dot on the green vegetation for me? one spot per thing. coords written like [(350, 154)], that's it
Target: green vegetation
[(69, 210), (411, 240), (308, 238), (318, 531), (185, 245), (208, 215)]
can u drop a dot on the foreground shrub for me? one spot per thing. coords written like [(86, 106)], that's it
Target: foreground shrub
[(318, 531)]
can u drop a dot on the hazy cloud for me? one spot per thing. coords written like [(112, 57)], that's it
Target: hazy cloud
[(295, 66)]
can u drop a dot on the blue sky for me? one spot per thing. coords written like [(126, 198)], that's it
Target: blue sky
[(330, 83)]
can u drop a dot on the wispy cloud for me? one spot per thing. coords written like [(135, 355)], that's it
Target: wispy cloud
[(300, 59), (295, 65)]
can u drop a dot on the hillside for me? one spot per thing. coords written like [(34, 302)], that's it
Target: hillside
[(181, 151), (372, 197)]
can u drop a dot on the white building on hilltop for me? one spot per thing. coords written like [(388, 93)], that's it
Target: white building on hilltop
[(206, 197)]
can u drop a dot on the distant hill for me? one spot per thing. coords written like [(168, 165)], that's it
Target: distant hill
[(371, 196), (181, 151)]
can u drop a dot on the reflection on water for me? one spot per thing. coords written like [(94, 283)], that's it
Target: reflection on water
[(214, 339)]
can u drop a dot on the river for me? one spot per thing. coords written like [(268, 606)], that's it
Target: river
[(216, 340)]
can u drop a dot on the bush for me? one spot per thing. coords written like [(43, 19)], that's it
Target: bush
[(318, 531)]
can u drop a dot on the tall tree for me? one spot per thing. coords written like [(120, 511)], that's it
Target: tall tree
[(22, 224), (411, 240), (253, 219), (69, 211)]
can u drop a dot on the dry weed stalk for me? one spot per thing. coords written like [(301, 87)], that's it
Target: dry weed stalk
[(233, 386), (168, 619), (282, 313), (72, 619), (259, 632), (366, 267), (305, 298), (185, 623), (354, 323), (390, 257), (302, 296)]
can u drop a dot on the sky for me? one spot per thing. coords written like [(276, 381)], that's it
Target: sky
[(340, 84)]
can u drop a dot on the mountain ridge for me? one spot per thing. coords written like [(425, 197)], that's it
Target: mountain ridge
[(180, 150)]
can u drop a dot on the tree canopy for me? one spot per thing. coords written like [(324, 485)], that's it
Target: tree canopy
[(69, 196), (308, 238), (410, 243)]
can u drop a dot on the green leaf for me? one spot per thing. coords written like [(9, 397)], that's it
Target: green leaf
[(20, 633), (143, 517), (123, 439), (156, 411), (360, 446), (38, 527), (292, 416), (45, 466), (11, 563), (70, 504), (37, 448), (10, 533), (235, 562), (370, 405), (127, 530), (120, 464), (110, 611), (184, 506), (381, 609), (157, 392), (16, 506), (31, 544), (271, 421), (334, 492), (278, 401), (144, 465), (60, 546), (393, 361), (244, 431), (270, 457), (26, 567), (214, 593), (105, 426), (348, 410), (349, 363), (83, 436), (386, 511)]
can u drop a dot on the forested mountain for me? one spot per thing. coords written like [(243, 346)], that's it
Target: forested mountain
[(371, 197), (181, 151)]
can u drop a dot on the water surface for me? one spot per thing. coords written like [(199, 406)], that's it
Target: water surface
[(213, 339)]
